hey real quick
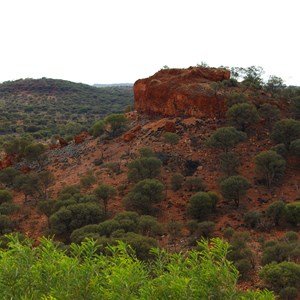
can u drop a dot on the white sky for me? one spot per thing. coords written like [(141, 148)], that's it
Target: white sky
[(113, 41)]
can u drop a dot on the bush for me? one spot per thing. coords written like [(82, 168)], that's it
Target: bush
[(281, 150), (229, 163), (176, 181), (281, 275), (295, 107), (171, 138), (142, 168), (289, 293), (242, 116), (292, 211), (149, 226), (116, 123), (87, 181), (234, 188), (5, 196), (269, 113), (285, 131), (295, 147), (226, 138), (97, 129), (252, 218), (194, 184), (8, 208), (103, 194), (146, 152), (276, 211), (244, 266), (235, 98), (6, 224), (8, 175), (143, 195), (270, 166), (201, 205)]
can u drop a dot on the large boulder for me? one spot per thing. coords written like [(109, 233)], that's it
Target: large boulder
[(181, 92)]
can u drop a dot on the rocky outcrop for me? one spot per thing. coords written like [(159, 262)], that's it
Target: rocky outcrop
[(181, 92), (131, 134), (80, 138)]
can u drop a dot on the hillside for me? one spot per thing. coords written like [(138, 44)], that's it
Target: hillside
[(46, 107), (187, 163)]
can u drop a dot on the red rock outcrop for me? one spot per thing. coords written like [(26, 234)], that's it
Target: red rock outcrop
[(181, 92), (80, 138), (7, 161), (131, 134)]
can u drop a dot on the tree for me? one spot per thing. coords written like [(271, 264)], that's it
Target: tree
[(276, 211), (252, 76), (226, 138), (234, 188), (104, 193), (295, 107), (8, 175), (281, 275), (295, 147), (35, 152), (143, 195), (269, 113), (228, 163), (292, 213), (45, 180), (87, 181), (270, 166), (5, 196), (66, 219), (171, 138), (144, 167), (285, 131), (235, 98), (27, 184), (274, 85), (97, 129), (242, 116), (116, 122), (176, 181), (201, 205)]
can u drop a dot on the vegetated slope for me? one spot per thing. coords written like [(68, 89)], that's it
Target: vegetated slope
[(44, 107)]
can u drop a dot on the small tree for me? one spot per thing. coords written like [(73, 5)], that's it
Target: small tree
[(176, 181), (87, 181), (143, 195), (226, 138), (270, 166), (295, 107), (201, 205), (229, 163), (104, 193), (117, 123), (235, 98), (285, 131), (295, 148), (276, 211), (292, 211), (242, 116), (171, 138), (8, 175), (45, 180), (97, 129), (269, 113), (35, 152), (5, 196), (142, 168), (234, 188), (28, 184)]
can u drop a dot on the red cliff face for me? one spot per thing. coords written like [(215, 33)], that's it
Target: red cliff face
[(181, 92)]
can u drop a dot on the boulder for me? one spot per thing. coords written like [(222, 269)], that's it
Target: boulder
[(181, 92)]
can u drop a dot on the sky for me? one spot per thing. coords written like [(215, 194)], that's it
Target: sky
[(120, 41)]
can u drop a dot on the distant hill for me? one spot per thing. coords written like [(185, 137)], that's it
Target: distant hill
[(44, 107), (113, 84)]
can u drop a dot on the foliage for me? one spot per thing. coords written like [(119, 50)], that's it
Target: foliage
[(234, 188), (46, 107), (8, 175), (104, 193), (269, 113), (146, 152), (242, 116), (194, 184), (274, 85), (252, 218), (47, 272), (143, 195), (276, 211), (176, 181), (171, 138), (270, 166), (229, 162), (295, 107), (281, 150), (5, 196), (66, 219), (235, 98), (144, 167), (117, 123), (281, 275), (27, 184), (35, 152), (203, 229), (226, 138), (201, 205), (292, 213), (97, 129), (295, 147), (87, 181), (285, 131), (6, 224)]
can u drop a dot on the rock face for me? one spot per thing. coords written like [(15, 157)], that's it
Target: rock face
[(181, 92)]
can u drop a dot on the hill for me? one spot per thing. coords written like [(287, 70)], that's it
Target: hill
[(46, 107), (171, 176)]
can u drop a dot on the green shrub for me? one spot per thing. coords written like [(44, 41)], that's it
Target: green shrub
[(234, 188), (143, 195), (289, 293), (171, 138), (276, 211), (176, 181), (6, 224), (292, 211), (201, 205), (281, 275), (146, 152), (5, 196), (194, 184), (142, 168), (252, 218), (229, 163)]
